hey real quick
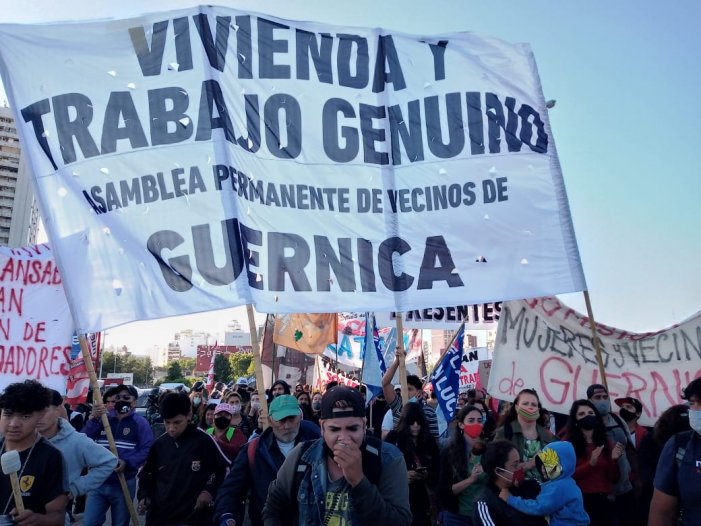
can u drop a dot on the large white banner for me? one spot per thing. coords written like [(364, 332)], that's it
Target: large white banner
[(545, 345), (206, 158), (35, 322)]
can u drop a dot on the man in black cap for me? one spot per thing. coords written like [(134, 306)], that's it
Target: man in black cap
[(342, 478), (630, 411)]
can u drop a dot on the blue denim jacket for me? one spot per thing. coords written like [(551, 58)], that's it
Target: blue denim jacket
[(385, 503)]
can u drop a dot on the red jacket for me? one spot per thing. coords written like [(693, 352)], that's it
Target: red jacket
[(599, 478)]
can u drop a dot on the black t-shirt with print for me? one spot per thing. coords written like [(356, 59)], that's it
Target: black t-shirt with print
[(40, 479)]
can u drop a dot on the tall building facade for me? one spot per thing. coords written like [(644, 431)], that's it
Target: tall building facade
[(19, 215)]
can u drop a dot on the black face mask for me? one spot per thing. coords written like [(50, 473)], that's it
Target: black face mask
[(122, 407), (221, 422), (627, 415), (588, 422)]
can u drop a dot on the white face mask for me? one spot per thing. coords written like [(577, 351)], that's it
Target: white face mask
[(695, 420), (236, 408)]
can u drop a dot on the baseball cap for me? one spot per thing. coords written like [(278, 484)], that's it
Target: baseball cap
[(630, 400), (595, 387), (284, 406), (223, 408), (128, 388), (342, 401)]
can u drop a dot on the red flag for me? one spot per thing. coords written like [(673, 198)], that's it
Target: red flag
[(210, 374)]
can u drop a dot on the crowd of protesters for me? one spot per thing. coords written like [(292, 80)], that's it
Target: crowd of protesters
[(330, 458)]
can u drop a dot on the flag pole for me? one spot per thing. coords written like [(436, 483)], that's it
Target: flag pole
[(446, 348), (97, 398), (260, 386), (595, 338), (402, 357)]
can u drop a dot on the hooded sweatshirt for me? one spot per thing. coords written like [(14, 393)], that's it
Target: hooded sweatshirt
[(560, 498), (80, 452)]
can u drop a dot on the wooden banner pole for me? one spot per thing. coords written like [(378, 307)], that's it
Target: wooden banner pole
[(595, 337), (97, 399), (402, 357), (260, 385)]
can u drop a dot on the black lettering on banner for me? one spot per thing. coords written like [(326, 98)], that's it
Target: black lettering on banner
[(307, 46), (387, 55), (438, 265), (216, 52), (212, 98), (409, 135), (365, 262), (33, 113), (150, 57), (120, 108), (385, 264), (342, 265), (475, 123), (286, 108), (456, 134), (372, 135), (250, 236), (438, 51), (346, 43), (280, 264), (158, 102), (205, 255), (332, 145), (177, 271), (267, 47), (69, 129), (244, 47)]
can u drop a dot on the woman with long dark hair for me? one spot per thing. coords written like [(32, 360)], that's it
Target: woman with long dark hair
[(461, 478), (501, 462), (522, 428), (596, 470), (414, 440)]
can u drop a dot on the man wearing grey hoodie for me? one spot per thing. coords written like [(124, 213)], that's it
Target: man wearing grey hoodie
[(78, 450)]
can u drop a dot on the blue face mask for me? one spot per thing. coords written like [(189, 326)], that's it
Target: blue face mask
[(413, 399), (695, 420)]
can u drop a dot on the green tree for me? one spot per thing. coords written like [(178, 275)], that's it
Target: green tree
[(241, 364), (175, 372), (187, 365), (222, 368)]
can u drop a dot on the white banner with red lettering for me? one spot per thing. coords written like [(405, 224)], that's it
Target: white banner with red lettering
[(35, 323), (208, 157), (323, 374), (545, 345)]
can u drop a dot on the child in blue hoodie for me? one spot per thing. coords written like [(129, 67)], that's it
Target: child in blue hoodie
[(560, 498)]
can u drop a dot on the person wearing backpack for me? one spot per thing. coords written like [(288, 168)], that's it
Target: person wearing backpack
[(677, 495), (346, 477), (258, 462)]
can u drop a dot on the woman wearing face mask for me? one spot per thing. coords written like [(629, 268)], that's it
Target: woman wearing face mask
[(305, 404), (678, 481), (238, 419), (500, 463), (229, 439), (316, 407), (198, 399), (522, 428), (596, 470), (414, 440), (460, 477), (208, 417)]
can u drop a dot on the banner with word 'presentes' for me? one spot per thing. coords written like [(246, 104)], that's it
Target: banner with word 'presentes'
[(545, 345), (206, 158), (35, 322)]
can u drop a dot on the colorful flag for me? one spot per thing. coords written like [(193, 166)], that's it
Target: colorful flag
[(309, 333), (446, 381), (374, 366), (78, 381)]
